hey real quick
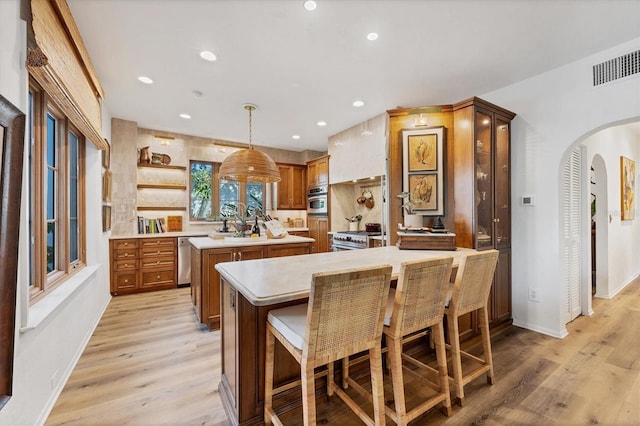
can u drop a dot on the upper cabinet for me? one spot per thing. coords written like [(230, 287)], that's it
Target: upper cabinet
[(482, 174), (318, 172), (360, 151), (292, 188)]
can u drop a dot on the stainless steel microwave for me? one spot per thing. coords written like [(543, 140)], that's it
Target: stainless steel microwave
[(317, 201)]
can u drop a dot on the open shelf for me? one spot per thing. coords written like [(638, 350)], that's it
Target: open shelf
[(161, 166), (161, 186), (164, 208)]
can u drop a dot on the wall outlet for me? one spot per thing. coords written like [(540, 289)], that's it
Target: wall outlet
[(533, 295)]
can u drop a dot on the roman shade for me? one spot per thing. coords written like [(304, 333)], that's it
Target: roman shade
[(60, 63)]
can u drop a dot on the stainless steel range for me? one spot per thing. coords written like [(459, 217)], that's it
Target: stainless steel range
[(352, 240)]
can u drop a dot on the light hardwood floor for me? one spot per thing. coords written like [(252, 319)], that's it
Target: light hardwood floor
[(149, 363)]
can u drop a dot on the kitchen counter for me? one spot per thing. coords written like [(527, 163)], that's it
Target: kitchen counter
[(261, 281), (203, 243), (192, 233), (250, 289)]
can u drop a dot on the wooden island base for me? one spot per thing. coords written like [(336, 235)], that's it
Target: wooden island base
[(248, 291)]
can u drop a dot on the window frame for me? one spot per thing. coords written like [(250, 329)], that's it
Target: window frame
[(42, 282), (215, 191)]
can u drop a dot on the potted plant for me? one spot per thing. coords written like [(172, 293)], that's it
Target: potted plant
[(411, 220)]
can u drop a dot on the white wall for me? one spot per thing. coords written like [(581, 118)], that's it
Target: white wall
[(46, 353), (556, 110), (623, 237)]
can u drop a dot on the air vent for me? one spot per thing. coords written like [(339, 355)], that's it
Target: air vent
[(616, 68)]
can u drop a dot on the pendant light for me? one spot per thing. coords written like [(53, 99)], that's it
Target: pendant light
[(249, 165)]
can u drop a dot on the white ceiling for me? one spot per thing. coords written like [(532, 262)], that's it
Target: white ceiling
[(301, 67)]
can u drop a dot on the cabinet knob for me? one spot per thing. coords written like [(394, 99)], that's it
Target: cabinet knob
[(126, 244), (157, 262), (158, 252), (126, 265), (126, 281), (157, 277)]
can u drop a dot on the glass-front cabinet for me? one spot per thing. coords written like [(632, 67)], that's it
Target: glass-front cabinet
[(482, 192)]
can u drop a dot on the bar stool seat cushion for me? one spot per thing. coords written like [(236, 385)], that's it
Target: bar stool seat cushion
[(291, 322)]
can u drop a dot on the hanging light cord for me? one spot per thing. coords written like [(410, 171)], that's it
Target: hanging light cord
[(250, 109)]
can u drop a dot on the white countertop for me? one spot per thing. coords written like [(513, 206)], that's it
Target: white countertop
[(194, 233), (269, 281), (203, 243)]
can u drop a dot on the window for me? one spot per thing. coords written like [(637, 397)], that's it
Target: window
[(56, 195), (209, 195), (201, 203)]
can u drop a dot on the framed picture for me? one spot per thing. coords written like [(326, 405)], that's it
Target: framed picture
[(106, 186), (627, 187), (12, 125), (423, 169), (106, 156), (106, 218)]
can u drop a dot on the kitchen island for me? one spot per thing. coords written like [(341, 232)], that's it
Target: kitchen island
[(206, 252), (249, 290)]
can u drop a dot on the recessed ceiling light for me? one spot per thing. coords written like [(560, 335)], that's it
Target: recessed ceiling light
[(358, 103), (296, 137), (144, 79), (185, 116), (310, 5), (372, 36), (208, 56), (322, 123)]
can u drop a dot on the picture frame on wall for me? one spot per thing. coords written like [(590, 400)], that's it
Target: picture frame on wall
[(423, 169), (106, 156), (12, 126), (627, 187), (106, 218), (106, 186)]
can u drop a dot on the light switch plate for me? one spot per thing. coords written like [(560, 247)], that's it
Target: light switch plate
[(527, 200)]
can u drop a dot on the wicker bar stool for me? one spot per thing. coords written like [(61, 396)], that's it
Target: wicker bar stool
[(344, 316), (471, 293), (417, 304)]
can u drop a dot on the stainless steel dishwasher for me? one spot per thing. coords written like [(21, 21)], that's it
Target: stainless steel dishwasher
[(184, 260)]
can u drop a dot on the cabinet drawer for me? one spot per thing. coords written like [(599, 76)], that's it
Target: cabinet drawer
[(158, 242), (148, 252), (125, 280), (162, 262), (158, 278), (125, 244), (125, 265), (130, 253)]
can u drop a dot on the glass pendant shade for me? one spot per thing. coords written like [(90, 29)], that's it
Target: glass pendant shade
[(249, 165)]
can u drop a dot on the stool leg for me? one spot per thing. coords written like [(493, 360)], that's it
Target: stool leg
[(268, 375), (308, 394), (330, 380), (441, 357), (345, 372), (377, 385), (454, 341), (486, 342), (395, 359)]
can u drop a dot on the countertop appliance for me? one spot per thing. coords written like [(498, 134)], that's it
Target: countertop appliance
[(317, 201), (353, 240), (184, 260)]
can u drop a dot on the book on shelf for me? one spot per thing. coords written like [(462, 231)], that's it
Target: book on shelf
[(151, 225)]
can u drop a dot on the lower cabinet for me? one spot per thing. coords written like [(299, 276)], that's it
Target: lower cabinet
[(318, 230), (499, 300), (143, 264), (205, 287)]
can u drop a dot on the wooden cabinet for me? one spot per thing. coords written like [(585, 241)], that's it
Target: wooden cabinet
[(299, 233), (143, 264), (318, 230), (482, 193), (292, 188), (318, 171), (205, 286)]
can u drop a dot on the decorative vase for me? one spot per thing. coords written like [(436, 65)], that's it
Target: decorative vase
[(412, 221)]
